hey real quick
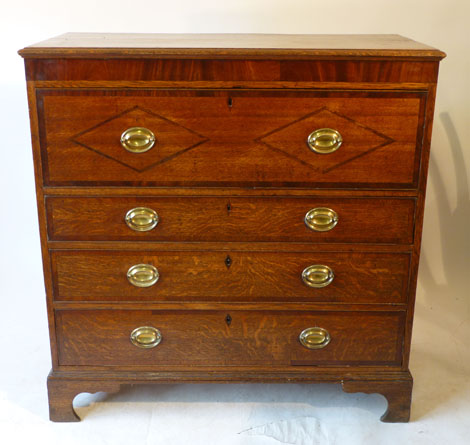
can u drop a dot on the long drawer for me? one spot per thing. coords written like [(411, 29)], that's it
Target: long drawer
[(231, 138), (317, 220), (228, 338), (230, 276)]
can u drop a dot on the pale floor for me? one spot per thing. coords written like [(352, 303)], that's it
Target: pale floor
[(239, 414), (220, 414)]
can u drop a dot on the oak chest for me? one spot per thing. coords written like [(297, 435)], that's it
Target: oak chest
[(230, 208)]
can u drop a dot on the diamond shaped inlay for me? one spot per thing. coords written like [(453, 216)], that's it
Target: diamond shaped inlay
[(291, 140), (172, 139)]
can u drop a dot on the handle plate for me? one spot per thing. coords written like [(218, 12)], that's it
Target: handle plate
[(146, 337), (143, 275), (141, 219), (314, 338), (137, 139), (317, 275), (321, 219), (324, 140)]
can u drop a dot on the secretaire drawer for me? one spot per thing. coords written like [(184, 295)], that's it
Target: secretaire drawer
[(188, 137), (317, 220), (228, 338), (230, 276)]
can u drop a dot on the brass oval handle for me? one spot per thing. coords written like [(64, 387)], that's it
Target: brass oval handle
[(317, 275), (324, 140), (314, 338), (137, 139), (321, 219), (146, 337), (143, 275), (141, 219)]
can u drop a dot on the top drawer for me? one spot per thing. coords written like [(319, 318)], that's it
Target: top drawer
[(231, 137)]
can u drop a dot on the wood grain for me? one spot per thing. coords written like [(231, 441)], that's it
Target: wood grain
[(227, 247), (394, 385), (257, 192), (61, 396), (419, 224), (236, 84), (252, 276), (397, 393), (211, 305), (232, 138), (292, 45), (90, 338), (231, 114), (230, 70), (361, 220)]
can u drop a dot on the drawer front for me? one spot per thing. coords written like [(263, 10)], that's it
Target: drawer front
[(360, 220), (205, 338), (231, 138), (230, 276)]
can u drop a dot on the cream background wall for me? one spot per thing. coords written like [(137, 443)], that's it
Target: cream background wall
[(440, 357)]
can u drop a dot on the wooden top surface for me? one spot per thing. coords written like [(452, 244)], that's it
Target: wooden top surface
[(230, 45)]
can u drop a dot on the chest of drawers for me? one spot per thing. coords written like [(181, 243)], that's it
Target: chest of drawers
[(230, 208)]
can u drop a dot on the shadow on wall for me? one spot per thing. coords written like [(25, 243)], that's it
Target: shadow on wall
[(454, 227), (441, 358)]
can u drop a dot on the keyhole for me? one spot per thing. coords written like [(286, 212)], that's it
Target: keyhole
[(230, 102), (228, 261), (229, 208), (228, 319)]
